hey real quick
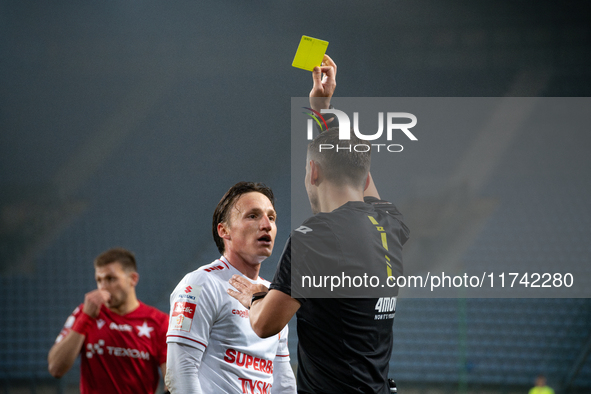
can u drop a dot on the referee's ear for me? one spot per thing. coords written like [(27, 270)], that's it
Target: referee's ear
[(314, 175)]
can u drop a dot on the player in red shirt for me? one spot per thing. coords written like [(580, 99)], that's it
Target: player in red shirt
[(121, 341)]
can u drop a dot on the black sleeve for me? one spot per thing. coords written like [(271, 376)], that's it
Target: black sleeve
[(390, 209), (282, 278)]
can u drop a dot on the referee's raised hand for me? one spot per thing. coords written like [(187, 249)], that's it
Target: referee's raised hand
[(324, 85)]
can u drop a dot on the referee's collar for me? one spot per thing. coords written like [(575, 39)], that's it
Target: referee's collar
[(355, 204)]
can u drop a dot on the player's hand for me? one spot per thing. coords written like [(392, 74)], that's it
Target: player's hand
[(324, 87), (245, 289), (94, 300)]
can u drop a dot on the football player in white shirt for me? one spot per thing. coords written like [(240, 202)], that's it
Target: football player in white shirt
[(211, 346)]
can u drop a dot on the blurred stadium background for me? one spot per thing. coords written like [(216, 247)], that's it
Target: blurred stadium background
[(123, 123)]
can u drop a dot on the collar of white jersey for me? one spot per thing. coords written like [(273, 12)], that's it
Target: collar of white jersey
[(224, 260)]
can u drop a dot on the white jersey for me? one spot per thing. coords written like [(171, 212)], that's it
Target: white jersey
[(204, 316)]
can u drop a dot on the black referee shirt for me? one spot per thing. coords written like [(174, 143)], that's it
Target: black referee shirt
[(345, 331)]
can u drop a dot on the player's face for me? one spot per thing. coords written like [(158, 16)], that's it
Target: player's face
[(311, 190), (117, 282), (252, 227)]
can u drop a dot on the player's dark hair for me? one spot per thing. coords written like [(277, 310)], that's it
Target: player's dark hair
[(119, 255), (347, 162), (224, 207)]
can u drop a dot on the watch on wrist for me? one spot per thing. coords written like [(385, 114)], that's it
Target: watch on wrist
[(257, 296)]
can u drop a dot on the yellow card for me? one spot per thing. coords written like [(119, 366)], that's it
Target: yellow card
[(310, 53)]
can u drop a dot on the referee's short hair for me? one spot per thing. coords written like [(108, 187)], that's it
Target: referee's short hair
[(117, 255), (224, 207), (347, 162)]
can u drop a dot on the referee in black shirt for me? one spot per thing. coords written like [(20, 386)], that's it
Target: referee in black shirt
[(333, 273)]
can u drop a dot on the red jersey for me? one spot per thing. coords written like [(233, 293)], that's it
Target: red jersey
[(122, 354)]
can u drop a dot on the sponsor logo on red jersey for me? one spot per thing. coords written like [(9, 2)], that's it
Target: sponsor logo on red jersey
[(98, 349), (125, 352), (120, 327), (95, 348)]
